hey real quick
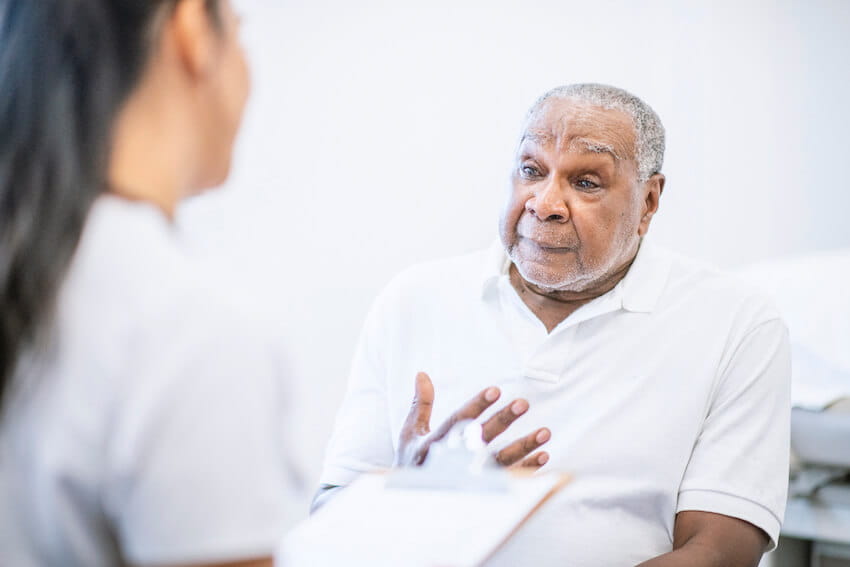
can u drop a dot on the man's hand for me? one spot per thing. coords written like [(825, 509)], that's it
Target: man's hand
[(416, 435)]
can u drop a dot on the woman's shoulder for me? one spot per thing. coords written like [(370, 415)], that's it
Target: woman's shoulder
[(132, 288)]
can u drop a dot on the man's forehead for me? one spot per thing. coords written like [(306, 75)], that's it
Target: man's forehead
[(576, 127)]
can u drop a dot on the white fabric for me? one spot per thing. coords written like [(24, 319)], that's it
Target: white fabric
[(669, 393), (156, 424), (812, 293)]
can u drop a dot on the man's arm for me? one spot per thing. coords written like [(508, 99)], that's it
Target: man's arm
[(738, 468), (703, 539), (732, 495)]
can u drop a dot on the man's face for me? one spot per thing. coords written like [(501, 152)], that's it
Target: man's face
[(575, 210)]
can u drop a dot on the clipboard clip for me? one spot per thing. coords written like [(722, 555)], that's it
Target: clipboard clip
[(459, 462)]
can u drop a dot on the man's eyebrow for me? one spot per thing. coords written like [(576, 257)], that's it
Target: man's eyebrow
[(581, 143), (537, 136), (594, 146)]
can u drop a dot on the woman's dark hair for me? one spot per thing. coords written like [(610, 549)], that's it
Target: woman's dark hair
[(66, 67)]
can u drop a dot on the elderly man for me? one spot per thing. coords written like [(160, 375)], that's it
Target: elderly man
[(661, 385)]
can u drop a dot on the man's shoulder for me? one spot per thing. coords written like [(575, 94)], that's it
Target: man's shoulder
[(459, 272), (700, 282), (435, 286)]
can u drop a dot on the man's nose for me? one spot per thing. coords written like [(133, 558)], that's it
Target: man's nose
[(548, 203)]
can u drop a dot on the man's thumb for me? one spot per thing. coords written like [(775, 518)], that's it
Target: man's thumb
[(423, 403)]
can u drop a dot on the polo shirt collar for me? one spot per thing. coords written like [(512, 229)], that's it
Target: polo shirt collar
[(639, 290), (496, 264), (646, 279)]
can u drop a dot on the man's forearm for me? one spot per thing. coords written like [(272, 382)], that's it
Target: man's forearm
[(705, 539), (699, 555), (681, 558)]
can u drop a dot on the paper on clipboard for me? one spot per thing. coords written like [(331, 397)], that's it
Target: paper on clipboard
[(372, 524)]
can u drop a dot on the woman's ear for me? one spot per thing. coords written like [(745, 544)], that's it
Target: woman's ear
[(195, 37)]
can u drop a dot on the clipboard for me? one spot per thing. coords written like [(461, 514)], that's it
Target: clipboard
[(452, 513)]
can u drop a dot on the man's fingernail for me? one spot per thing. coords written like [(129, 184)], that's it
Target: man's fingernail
[(542, 436), (519, 407), (543, 459), (491, 395)]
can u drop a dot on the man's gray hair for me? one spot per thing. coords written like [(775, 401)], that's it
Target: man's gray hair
[(649, 143)]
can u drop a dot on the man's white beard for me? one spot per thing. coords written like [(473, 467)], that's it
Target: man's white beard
[(584, 277)]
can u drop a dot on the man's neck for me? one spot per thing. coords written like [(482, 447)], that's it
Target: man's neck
[(554, 306)]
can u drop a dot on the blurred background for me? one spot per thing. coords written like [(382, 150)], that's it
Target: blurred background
[(380, 134)]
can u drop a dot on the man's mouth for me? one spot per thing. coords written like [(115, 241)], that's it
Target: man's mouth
[(547, 245)]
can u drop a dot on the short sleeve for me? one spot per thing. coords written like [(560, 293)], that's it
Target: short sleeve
[(362, 438), (198, 459), (739, 465)]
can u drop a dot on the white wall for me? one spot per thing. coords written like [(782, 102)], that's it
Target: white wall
[(380, 134)]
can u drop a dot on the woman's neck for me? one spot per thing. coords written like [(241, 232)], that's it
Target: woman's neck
[(149, 158)]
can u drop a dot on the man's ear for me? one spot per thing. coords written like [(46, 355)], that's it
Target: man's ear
[(652, 189), (195, 38)]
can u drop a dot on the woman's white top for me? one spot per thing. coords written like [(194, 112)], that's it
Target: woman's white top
[(153, 429)]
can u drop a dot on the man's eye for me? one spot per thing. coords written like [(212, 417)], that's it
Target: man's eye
[(586, 184), (529, 171)]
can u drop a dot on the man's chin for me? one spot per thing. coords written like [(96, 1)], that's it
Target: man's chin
[(549, 280)]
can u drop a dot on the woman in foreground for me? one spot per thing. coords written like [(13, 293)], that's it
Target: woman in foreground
[(141, 418)]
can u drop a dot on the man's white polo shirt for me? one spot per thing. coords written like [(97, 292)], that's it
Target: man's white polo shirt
[(669, 393)]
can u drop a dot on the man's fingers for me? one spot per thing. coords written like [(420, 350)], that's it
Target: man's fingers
[(471, 410), (520, 449), (419, 417), (500, 421), (533, 462)]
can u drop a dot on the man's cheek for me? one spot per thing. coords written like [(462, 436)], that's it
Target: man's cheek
[(510, 217)]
